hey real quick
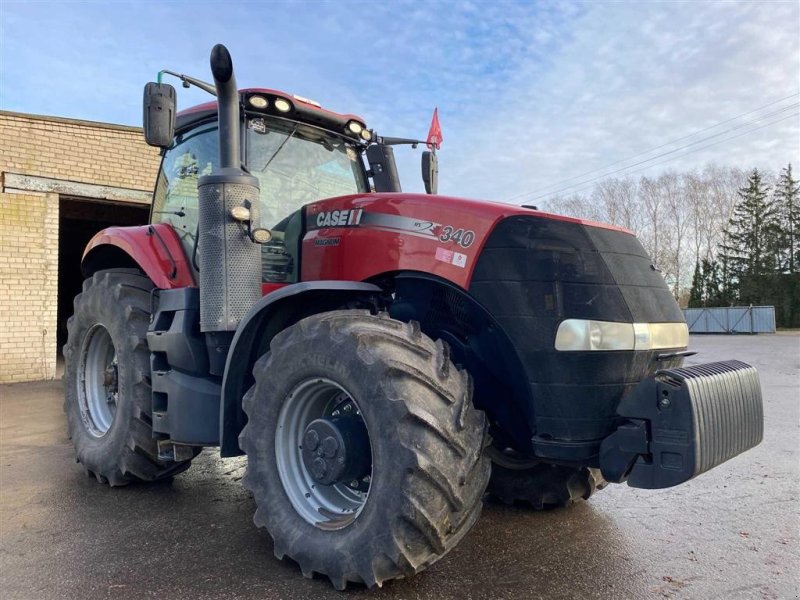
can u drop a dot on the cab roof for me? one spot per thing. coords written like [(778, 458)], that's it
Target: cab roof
[(302, 109)]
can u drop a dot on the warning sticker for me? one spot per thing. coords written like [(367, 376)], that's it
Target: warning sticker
[(459, 260), (450, 257)]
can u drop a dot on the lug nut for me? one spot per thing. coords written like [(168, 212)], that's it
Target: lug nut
[(319, 468), (330, 446), (311, 440)]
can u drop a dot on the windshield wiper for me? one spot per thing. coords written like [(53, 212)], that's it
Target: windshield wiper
[(283, 143)]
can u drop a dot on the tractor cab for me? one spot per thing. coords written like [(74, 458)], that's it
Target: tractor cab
[(298, 152)]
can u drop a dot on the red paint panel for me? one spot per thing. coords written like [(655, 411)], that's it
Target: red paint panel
[(155, 248), (268, 288), (357, 237)]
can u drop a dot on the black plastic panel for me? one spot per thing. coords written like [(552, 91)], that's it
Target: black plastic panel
[(186, 397), (535, 272)]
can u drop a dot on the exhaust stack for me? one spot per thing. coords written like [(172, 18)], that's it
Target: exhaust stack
[(230, 262)]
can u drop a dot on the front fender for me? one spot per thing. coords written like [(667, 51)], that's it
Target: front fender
[(155, 249), (270, 315)]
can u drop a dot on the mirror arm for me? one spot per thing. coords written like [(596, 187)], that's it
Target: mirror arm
[(187, 81), (392, 141)]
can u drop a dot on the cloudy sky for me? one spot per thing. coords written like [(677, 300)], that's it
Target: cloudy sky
[(531, 95)]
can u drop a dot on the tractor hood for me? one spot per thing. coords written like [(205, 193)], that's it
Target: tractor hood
[(388, 232)]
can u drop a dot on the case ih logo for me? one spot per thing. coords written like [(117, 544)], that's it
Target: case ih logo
[(357, 217), (339, 218)]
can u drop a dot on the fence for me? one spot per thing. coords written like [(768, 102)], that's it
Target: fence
[(734, 319)]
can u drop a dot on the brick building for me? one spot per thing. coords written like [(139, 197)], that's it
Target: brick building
[(61, 181)]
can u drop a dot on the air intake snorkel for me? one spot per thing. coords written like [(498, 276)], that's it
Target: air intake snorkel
[(230, 261)]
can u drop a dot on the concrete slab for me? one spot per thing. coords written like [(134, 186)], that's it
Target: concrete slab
[(730, 533)]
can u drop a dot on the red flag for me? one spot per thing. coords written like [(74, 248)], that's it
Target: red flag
[(435, 132)]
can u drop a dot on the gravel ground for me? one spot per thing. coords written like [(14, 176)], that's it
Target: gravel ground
[(730, 533)]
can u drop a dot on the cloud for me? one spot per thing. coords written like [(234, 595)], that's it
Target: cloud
[(528, 93)]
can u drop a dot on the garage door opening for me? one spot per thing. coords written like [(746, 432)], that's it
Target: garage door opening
[(79, 220)]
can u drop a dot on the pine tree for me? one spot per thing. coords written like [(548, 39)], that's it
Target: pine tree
[(713, 294), (696, 293), (752, 234), (787, 200)]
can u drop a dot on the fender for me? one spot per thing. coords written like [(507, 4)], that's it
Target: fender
[(155, 249), (478, 343), (270, 315)]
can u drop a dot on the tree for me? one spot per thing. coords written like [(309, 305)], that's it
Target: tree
[(787, 201), (713, 294), (696, 293), (751, 238), (706, 285)]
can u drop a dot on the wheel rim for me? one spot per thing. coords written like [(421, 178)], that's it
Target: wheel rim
[(333, 506), (98, 381)]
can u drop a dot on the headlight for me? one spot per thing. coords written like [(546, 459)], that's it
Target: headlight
[(240, 213), (583, 335), (355, 127), (258, 101), (366, 135), (283, 105), (261, 235)]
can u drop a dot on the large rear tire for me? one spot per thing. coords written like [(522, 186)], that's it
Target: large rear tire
[(542, 486), (419, 491), (107, 395)]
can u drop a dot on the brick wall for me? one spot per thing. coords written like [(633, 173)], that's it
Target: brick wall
[(28, 286), (84, 151), (65, 149)]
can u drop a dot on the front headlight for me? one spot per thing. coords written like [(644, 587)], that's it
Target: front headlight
[(584, 335)]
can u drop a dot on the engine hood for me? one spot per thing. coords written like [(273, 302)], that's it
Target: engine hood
[(360, 236)]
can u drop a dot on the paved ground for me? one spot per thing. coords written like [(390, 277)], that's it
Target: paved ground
[(731, 533)]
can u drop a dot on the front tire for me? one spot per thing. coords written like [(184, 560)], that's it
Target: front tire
[(420, 491), (107, 396)]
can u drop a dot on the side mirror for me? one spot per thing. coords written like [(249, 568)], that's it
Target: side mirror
[(430, 171), (159, 114)]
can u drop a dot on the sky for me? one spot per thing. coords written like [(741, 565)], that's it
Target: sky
[(534, 98)]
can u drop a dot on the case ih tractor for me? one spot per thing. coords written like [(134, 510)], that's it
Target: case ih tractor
[(383, 359)]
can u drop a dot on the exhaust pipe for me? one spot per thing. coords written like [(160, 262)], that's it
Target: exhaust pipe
[(227, 108), (230, 262)]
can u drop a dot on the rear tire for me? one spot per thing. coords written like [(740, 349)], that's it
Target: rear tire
[(427, 470), (542, 486), (107, 396)]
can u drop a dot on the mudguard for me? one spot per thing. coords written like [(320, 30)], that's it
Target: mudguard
[(270, 315), (155, 249)]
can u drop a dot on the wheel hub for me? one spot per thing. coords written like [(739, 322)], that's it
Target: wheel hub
[(110, 379), (336, 449), (323, 453)]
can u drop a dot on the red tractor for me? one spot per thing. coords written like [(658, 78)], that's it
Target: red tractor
[(383, 359)]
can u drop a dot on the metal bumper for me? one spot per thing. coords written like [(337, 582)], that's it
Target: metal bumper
[(683, 422)]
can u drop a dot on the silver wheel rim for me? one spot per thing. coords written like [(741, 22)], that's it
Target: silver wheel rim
[(332, 506), (98, 381)]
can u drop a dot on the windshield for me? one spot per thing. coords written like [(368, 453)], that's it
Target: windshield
[(295, 164)]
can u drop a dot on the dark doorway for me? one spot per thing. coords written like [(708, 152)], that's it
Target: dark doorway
[(79, 219)]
